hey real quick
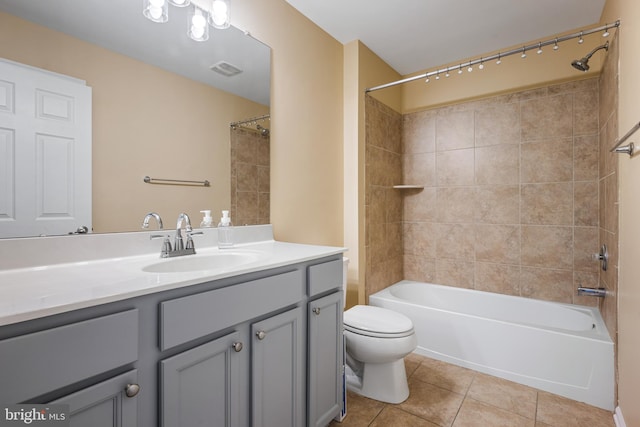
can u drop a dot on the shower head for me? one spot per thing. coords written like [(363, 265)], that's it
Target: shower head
[(583, 64)]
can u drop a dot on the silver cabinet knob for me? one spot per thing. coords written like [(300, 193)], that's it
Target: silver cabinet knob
[(316, 310), (131, 390), (261, 335), (237, 346)]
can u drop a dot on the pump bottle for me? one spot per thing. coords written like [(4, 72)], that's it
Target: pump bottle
[(225, 231), (207, 221)]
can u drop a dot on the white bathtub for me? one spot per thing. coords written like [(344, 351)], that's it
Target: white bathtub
[(560, 348)]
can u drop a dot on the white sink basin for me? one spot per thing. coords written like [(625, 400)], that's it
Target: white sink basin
[(191, 263)]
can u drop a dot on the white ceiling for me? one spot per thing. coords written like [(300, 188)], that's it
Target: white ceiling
[(415, 35)]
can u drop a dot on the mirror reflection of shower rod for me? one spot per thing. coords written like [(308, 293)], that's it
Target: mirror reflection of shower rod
[(250, 122), (498, 56)]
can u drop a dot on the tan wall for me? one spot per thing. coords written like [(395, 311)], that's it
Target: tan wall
[(307, 121), (363, 69), (132, 135), (629, 276)]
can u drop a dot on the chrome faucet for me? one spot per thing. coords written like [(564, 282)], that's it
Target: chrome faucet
[(592, 292), (178, 248), (145, 222), (178, 245)]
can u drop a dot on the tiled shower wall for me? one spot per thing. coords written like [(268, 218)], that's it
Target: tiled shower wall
[(510, 198), (608, 167), (250, 169), (383, 204), (510, 203)]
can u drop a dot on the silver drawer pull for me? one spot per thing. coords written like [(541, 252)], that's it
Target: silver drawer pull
[(261, 335), (131, 390), (237, 346), (316, 310)]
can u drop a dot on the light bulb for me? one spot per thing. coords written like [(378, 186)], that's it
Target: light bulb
[(539, 49), (437, 76), (426, 80), (555, 46), (481, 66), (470, 69), (460, 70), (581, 39), (447, 74), (156, 10), (198, 29), (499, 61), (219, 14)]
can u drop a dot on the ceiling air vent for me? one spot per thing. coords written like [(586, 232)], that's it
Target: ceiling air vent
[(225, 69)]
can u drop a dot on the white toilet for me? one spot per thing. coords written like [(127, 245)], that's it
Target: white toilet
[(377, 340)]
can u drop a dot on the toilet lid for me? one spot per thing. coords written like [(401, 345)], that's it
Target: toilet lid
[(377, 320)]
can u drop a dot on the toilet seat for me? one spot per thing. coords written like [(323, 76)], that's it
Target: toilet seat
[(377, 322)]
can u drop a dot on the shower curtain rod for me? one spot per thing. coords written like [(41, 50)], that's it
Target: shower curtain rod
[(251, 120), (498, 55)]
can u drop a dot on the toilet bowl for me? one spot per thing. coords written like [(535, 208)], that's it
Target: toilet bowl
[(377, 340)]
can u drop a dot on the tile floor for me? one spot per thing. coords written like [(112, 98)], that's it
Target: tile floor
[(445, 395)]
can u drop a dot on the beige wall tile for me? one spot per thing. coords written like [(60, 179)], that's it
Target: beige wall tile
[(547, 284), (498, 204), (420, 206), (499, 124), (456, 204), (419, 268), (547, 246), (585, 110), (420, 239), (585, 203), (419, 169), (585, 157), (456, 273), (547, 204), (498, 278), (455, 167), (549, 117), (455, 241), (497, 165), (549, 160), (498, 243), (419, 132), (585, 244), (454, 130)]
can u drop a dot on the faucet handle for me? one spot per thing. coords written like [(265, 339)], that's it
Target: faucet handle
[(166, 244), (190, 244)]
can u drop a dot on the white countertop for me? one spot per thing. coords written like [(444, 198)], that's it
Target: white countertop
[(42, 290)]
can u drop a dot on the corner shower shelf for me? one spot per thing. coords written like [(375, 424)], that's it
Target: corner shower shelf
[(408, 187)]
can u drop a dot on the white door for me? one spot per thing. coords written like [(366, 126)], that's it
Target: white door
[(45, 152)]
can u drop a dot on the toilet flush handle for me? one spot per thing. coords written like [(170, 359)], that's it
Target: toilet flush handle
[(316, 310)]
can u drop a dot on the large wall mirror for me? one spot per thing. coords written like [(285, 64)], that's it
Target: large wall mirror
[(158, 108)]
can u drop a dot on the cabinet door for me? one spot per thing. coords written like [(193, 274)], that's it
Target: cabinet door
[(201, 386), (325, 359), (277, 376), (105, 404)]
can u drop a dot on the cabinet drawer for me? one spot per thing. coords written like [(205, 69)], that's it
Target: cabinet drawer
[(37, 363), (325, 277), (194, 316)]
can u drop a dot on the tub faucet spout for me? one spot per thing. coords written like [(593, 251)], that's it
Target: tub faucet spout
[(592, 292)]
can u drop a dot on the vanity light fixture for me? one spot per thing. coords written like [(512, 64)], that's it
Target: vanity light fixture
[(219, 14), (198, 28), (212, 12)]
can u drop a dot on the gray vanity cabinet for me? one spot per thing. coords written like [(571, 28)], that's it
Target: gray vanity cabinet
[(324, 343), (277, 394), (202, 386), (111, 403), (325, 359), (261, 350)]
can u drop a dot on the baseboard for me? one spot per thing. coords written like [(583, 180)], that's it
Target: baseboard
[(618, 418)]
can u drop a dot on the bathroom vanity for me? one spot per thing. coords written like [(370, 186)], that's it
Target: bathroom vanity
[(253, 341)]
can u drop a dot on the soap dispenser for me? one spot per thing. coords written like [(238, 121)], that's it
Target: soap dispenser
[(207, 220), (225, 231)]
